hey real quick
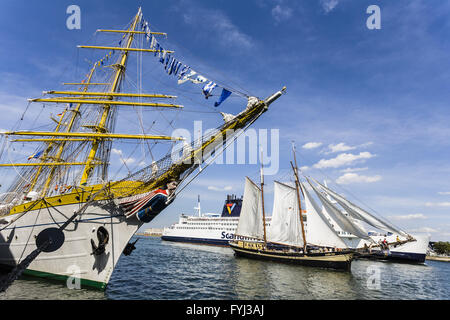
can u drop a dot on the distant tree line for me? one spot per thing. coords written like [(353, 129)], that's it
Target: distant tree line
[(442, 247)]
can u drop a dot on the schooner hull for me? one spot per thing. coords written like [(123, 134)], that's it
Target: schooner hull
[(405, 257), (409, 252), (74, 259), (336, 260)]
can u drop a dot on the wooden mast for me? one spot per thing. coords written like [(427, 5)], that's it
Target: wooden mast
[(61, 147), (262, 201), (60, 137), (297, 187), (107, 107)]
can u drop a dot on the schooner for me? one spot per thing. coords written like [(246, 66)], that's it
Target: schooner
[(287, 239), (62, 212), (399, 245)]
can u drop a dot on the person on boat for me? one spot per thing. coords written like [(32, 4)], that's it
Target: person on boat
[(385, 246), (147, 207)]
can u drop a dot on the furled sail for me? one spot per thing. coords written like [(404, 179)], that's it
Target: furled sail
[(345, 223), (360, 214), (285, 226), (251, 221), (319, 230), (71, 157)]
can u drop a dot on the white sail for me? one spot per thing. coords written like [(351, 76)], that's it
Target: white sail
[(345, 223), (319, 230), (285, 226), (360, 214), (251, 220)]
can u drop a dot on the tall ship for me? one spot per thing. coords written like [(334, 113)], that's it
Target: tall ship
[(66, 214), (209, 228)]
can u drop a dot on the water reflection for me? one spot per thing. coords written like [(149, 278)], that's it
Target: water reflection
[(291, 282)]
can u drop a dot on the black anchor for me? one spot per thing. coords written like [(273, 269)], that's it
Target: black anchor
[(103, 237)]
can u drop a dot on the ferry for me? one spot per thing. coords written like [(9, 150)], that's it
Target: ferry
[(209, 228)]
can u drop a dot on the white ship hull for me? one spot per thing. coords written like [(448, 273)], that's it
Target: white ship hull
[(74, 259), (202, 230)]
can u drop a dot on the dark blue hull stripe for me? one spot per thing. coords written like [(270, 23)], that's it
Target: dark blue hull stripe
[(62, 222), (397, 256), (407, 256)]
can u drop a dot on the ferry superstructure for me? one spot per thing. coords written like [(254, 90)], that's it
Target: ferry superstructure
[(209, 228)]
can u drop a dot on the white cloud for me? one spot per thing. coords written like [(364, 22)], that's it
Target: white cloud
[(226, 188), (409, 217), (329, 5), (355, 178), (342, 160), (354, 169), (365, 144), (425, 229), (129, 160), (119, 152), (116, 151), (340, 147), (280, 14), (437, 204), (219, 25), (444, 192), (311, 145)]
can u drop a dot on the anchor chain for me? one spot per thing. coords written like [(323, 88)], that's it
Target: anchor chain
[(20, 268), (47, 239)]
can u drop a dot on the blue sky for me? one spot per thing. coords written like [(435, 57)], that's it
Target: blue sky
[(366, 108)]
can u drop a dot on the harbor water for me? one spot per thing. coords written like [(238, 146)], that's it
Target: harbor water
[(160, 270)]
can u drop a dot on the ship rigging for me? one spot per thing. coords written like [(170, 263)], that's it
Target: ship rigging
[(64, 207)]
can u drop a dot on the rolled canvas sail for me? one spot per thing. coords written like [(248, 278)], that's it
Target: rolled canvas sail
[(319, 230), (360, 214), (345, 223), (251, 221), (285, 226)]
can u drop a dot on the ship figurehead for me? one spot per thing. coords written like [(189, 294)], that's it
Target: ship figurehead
[(148, 206)]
